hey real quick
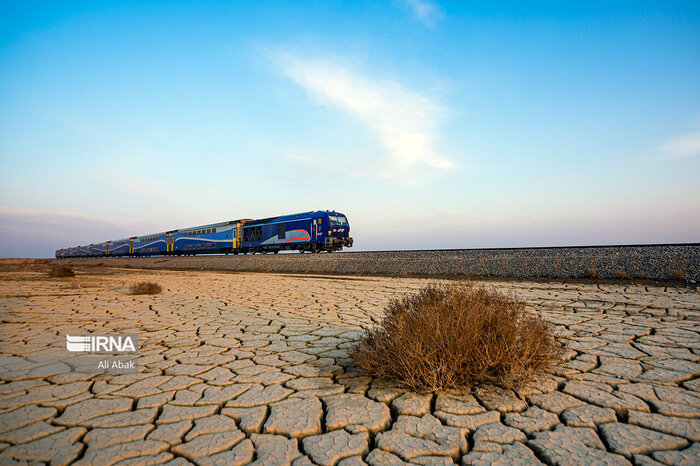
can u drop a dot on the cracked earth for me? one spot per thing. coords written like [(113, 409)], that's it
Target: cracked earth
[(253, 368)]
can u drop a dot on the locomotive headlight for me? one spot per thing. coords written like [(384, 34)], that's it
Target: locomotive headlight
[(329, 232)]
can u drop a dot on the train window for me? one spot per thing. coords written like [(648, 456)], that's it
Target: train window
[(281, 230)]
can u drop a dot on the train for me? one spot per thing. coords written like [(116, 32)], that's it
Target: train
[(315, 231)]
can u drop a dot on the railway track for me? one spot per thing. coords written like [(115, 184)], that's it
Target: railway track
[(679, 262)]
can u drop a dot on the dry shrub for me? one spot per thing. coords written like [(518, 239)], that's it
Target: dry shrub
[(457, 334), (591, 273), (61, 272), (677, 275), (145, 288), (621, 274)]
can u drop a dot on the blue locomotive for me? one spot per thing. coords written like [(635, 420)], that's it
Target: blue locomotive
[(314, 231)]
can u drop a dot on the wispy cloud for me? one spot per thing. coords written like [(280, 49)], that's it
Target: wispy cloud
[(686, 145), (427, 12), (38, 233), (403, 120)]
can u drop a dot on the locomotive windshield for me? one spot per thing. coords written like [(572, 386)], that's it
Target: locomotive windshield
[(338, 220)]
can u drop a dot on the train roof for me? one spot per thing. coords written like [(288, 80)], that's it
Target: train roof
[(210, 225), (283, 218)]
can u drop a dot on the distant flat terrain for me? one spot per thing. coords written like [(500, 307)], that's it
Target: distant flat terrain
[(250, 366), (655, 262)]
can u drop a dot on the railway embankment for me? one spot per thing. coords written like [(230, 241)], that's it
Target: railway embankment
[(652, 262)]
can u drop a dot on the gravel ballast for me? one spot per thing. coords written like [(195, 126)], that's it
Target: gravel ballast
[(655, 262)]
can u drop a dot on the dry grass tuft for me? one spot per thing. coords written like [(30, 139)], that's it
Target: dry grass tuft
[(61, 272), (677, 275), (621, 274), (457, 334), (590, 273), (145, 288)]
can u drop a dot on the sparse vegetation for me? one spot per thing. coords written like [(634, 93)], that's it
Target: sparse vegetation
[(677, 275), (61, 272), (457, 334), (145, 288), (621, 274), (591, 273)]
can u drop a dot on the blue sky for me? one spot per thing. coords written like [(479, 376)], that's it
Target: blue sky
[(430, 124)]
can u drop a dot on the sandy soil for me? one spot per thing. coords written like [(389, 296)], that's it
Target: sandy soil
[(242, 367)]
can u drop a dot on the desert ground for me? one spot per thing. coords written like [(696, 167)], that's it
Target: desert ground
[(238, 368)]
